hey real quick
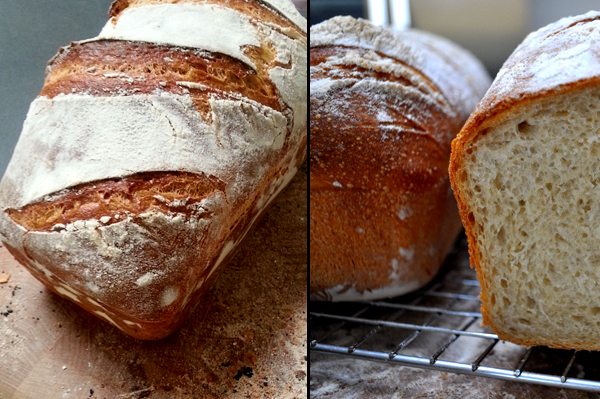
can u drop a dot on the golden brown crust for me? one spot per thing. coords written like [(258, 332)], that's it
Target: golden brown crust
[(389, 196), (139, 251), (109, 67), (371, 198), (156, 325), (131, 195), (135, 196)]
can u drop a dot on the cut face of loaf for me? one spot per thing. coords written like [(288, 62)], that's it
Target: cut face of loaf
[(533, 188), (152, 150), (526, 172)]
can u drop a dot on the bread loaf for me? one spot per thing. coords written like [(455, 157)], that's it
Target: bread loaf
[(152, 150), (525, 170), (384, 107)]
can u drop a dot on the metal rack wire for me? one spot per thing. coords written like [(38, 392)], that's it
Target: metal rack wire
[(439, 328)]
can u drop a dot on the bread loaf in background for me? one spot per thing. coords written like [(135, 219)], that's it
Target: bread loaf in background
[(525, 170), (152, 150), (384, 108)]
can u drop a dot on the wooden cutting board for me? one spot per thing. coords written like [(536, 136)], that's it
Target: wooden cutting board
[(247, 339)]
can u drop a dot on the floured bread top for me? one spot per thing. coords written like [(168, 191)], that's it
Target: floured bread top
[(82, 132), (541, 63), (458, 75), (204, 26)]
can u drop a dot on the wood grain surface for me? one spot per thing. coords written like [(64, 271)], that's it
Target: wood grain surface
[(246, 339)]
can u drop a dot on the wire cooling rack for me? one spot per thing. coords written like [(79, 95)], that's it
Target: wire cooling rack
[(439, 328)]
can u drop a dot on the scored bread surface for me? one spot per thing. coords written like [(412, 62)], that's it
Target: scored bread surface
[(384, 109), (526, 175), (151, 151)]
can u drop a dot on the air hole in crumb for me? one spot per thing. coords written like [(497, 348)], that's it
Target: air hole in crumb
[(524, 321), (504, 283), (524, 127), (533, 150), (501, 236), (106, 196), (497, 182), (530, 302), (518, 248)]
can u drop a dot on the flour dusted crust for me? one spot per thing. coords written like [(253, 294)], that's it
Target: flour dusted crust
[(538, 68), (384, 108), (455, 73), (152, 150)]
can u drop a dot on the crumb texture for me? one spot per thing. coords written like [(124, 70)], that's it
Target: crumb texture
[(524, 169), (532, 185)]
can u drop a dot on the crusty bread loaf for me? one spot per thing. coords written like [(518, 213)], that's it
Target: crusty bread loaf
[(385, 107), (152, 150), (525, 170)]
